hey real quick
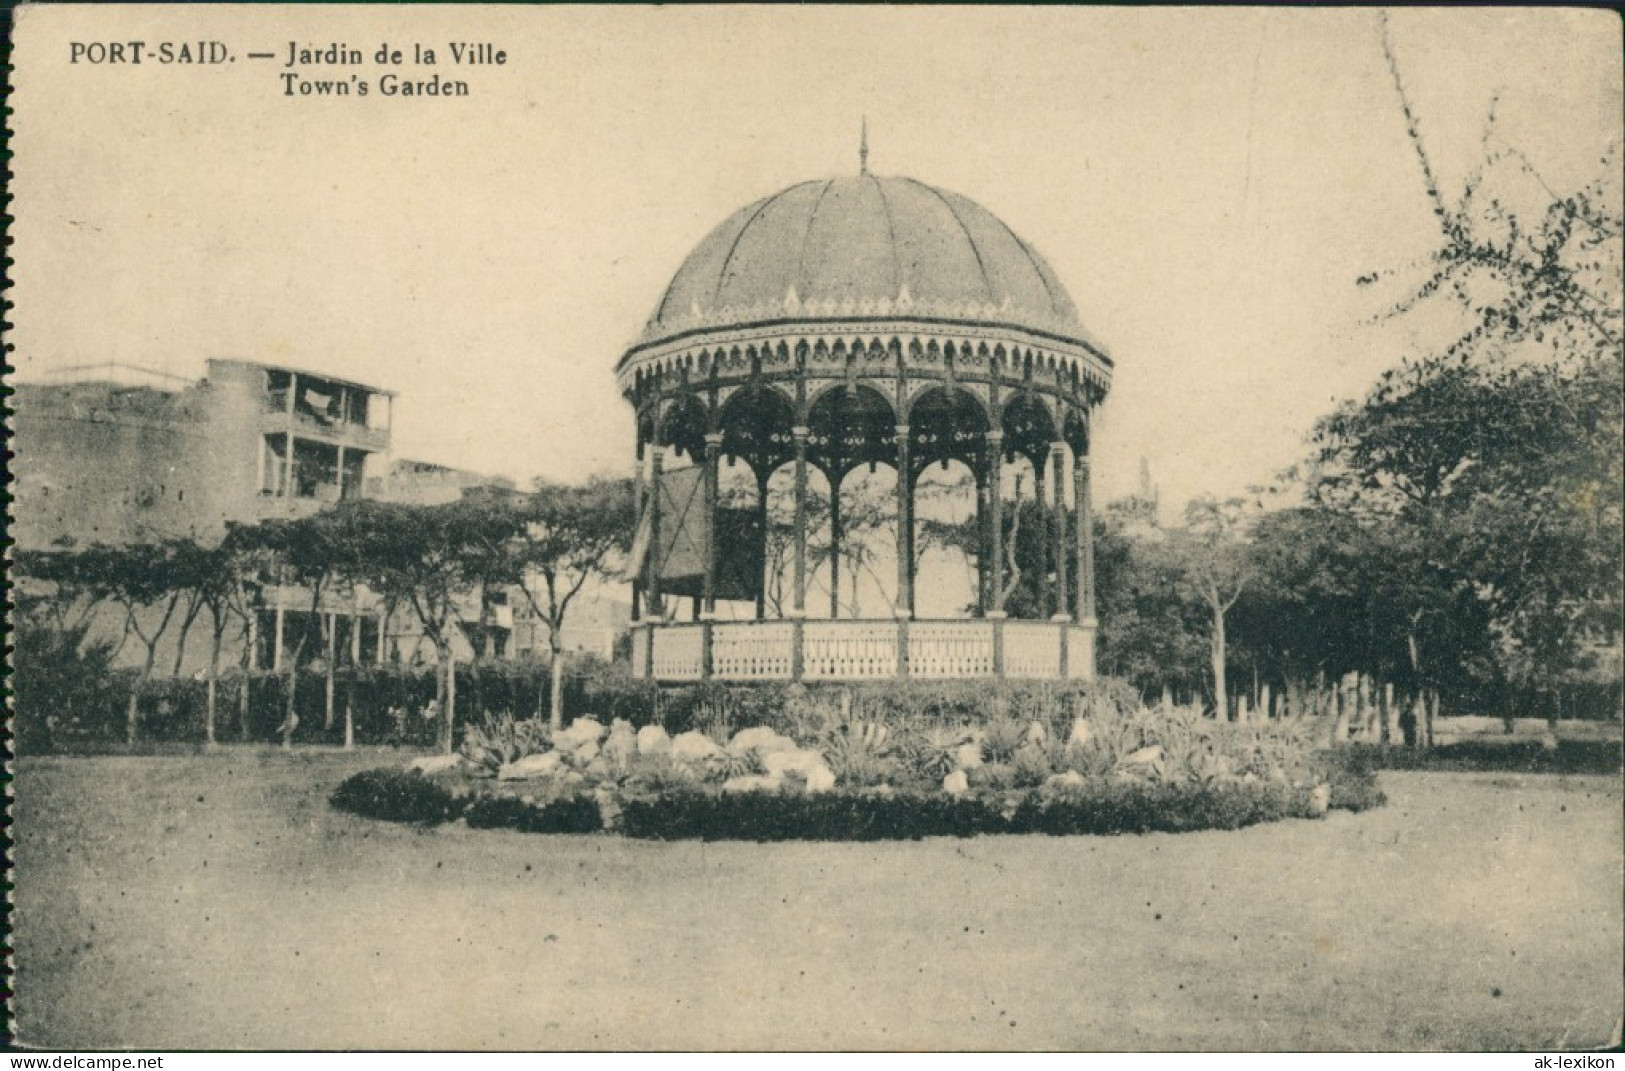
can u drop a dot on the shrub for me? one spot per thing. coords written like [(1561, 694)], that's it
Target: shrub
[(828, 816), (1351, 775), (1523, 756), (1111, 807), (65, 689), (572, 814), (396, 796), (1095, 808), (498, 739)]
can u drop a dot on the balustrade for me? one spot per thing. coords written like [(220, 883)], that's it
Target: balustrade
[(1032, 649), (679, 653), (752, 651), (863, 650), (943, 650), (849, 650)]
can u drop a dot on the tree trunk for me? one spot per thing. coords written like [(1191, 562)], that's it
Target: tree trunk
[(349, 715), (243, 707), (328, 633), (212, 695), (448, 733), (132, 713), (289, 719), (1220, 696), (555, 694)]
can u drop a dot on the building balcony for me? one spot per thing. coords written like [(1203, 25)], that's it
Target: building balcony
[(836, 651), (339, 433)]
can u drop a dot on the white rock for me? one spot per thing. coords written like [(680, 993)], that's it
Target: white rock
[(430, 764), (1069, 779), (762, 740), (955, 783), (693, 747), (801, 760), (581, 732), (968, 756), (753, 783), (544, 765), (1082, 732), (653, 740), (1146, 756), (622, 742), (820, 779)]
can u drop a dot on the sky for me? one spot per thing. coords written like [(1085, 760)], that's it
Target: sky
[(1208, 184)]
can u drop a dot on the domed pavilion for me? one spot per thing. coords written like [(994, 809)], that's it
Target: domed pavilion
[(850, 323)]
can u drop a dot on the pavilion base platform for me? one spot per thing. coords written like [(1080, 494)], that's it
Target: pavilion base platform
[(858, 650)]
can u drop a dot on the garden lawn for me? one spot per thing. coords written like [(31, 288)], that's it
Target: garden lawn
[(216, 901)]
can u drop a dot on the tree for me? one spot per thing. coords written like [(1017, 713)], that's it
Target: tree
[(428, 558), (1496, 451), (228, 586), (314, 553), (147, 582), (1150, 633), (557, 538), (1214, 564)]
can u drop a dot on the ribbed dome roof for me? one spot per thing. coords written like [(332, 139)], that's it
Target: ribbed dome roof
[(830, 247)]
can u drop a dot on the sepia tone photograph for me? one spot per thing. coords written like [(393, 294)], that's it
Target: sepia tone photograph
[(635, 529)]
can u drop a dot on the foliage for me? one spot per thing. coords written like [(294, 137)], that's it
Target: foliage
[(64, 690), (394, 796), (1100, 807), (499, 739), (860, 754), (1494, 453), (571, 814), (1524, 756)]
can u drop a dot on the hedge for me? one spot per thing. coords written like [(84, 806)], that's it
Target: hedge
[(576, 814), (1522, 756), (396, 796)]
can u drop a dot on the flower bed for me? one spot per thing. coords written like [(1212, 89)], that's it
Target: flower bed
[(1167, 769)]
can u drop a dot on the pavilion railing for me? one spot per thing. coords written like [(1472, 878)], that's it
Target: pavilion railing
[(824, 650)]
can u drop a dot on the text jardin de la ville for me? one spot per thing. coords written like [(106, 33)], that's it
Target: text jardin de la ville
[(316, 71)]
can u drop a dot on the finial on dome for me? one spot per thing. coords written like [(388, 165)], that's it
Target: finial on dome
[(863, 148)]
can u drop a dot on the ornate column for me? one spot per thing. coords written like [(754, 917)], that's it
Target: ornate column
[(984, 601), (834, 481), (713, 450), (798, 609), (761, 530), (637, 510), (1044, 587), (708, 592), (651, 583), (1057, 453), (1086, 541), (798, 604), (905, 527), (995, 501)]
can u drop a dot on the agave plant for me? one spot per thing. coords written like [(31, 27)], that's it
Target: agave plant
[(731, 764), (859, 753), (1031, 764), (1002, 738), (934, 752), (499, 739)]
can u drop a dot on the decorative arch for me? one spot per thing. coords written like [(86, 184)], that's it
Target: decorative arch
[(947, 424), (1028, 427), (756, 423), (683, 424), (850, 424)]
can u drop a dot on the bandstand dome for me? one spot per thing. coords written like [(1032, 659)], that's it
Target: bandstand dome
[(828, 247), (852, 322)]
